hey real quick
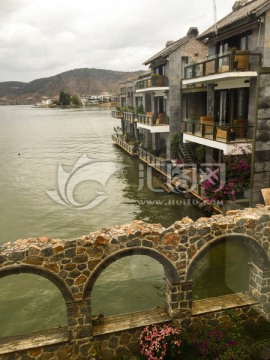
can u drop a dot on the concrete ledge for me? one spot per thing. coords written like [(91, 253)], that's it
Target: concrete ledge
[(221, 303), (33, 340), (130, 321)]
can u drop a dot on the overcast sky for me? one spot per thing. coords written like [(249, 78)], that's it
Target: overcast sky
[(44, 38)]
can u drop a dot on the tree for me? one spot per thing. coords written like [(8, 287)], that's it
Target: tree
[(75, 100), (64, 98)]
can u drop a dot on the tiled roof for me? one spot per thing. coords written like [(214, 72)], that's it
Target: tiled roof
[(234, 16), (168, 50), (171, 46)]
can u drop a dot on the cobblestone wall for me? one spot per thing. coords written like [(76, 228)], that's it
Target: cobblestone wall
[(74, 265)]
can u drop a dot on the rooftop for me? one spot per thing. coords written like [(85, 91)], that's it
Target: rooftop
[(171, 46), (242, 9)]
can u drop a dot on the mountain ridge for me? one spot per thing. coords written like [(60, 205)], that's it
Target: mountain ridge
[(83, 81)]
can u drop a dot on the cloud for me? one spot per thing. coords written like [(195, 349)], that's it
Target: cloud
[(45, 38)]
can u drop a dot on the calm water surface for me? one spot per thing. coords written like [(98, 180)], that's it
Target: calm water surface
[(33, 142)]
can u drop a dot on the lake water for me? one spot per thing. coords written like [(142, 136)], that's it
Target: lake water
[(35, 144)]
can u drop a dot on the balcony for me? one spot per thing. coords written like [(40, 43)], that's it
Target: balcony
[(123, 91), (155, 122), (154, 82), (161, 165), (129, 116), (227, 138), (129, 148), (241, 63), (116, 114)]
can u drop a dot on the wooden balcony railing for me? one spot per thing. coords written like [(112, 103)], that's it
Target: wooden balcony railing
[(116, 114), (152, 81), (240, 60), (153, 119), (163, 166), (129, 116), (237, 133), (131, 149)]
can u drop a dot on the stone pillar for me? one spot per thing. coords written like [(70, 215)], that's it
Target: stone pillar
[(79, 320), (210, 99), (178, 302), (261, 155), (259, 287)]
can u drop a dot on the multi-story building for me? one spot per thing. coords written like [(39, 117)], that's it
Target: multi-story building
[(213, 91), (231, 88), (160, 92)]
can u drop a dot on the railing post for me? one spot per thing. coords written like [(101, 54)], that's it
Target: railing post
[(203, 130), (193, 127), (214, 132), (204, 69), (216, 64)]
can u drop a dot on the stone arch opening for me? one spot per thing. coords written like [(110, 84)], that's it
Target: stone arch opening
[(131, 284), (222, 267), (29, 269), (30, 302), (167, 271), (257, 254), (170, 272)]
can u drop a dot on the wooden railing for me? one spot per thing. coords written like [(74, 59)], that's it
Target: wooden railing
[(129, 116), (153, 119), (240, 60), (116, 114), (131, 149), (160, 165), (217, 132), (152, 81)]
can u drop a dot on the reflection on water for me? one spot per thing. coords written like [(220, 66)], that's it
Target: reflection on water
[(222, 270), (30, 299), (140, 282)]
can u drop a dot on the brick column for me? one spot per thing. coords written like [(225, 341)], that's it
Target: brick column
[(178, 302), (259, 287)]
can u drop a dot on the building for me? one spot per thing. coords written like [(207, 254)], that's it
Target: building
[(151, 104), (160, 92), (211, 91), (231, 87)]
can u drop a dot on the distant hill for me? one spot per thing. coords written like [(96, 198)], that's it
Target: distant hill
[(79, 81)]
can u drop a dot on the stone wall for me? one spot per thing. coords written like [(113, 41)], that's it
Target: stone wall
[(195, 51), (74, 266), (262, 139)]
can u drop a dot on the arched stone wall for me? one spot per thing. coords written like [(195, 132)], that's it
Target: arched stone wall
[(257, 254), (169, 269), (28, 269), (74, 265)]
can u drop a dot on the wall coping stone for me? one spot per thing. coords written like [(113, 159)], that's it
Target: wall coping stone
[(34, 340), (117, 323), (137, 228), (222, 302)]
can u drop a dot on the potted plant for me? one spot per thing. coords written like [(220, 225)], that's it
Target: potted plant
[(154, 79)]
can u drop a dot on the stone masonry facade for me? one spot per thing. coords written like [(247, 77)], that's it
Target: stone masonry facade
[(74, 266)]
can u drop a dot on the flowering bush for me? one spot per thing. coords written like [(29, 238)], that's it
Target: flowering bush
[(160, 342), (238, 170), (215, 343)]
